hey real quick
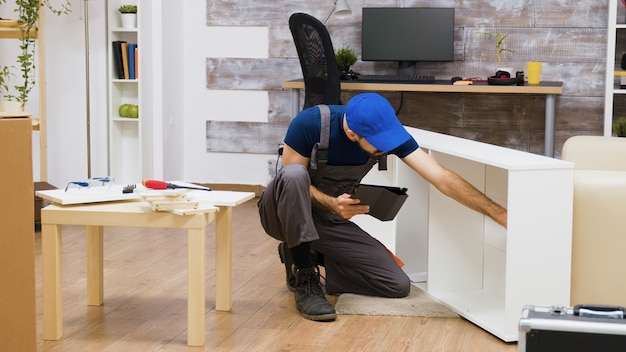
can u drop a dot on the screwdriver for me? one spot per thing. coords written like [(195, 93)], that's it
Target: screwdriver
[(156, 184)]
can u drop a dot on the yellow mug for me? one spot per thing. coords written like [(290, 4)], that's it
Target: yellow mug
[(534, 72)]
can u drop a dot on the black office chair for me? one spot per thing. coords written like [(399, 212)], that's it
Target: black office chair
[(317, 59)]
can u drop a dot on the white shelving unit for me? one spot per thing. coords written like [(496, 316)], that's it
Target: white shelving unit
[(612, 81), (484, 272), (130, 153)]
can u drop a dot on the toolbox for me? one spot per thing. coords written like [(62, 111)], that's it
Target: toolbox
[(592, 328)]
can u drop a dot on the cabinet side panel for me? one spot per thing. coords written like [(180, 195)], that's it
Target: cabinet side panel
[(455, 233), (412, 222), (539, 239)]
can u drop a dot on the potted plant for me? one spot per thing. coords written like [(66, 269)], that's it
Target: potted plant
[(128, 14), (27, 16), (500, 49), (345, 58), (619, 127)]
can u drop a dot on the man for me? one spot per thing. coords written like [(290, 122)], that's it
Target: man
[(308, 205)]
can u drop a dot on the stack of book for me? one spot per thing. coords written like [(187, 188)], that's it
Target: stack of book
[(125, 60)]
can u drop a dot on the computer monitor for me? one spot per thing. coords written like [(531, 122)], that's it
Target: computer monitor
[(407, 35)]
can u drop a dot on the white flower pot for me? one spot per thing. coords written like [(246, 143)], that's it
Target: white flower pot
[(129, 20), (10, 106)]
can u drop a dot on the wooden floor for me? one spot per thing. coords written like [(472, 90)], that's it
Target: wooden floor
[(145, 305)]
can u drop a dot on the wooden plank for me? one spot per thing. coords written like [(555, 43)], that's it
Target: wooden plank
[(243, 74), (244, 137)]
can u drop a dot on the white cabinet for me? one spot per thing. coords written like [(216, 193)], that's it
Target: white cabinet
[(613, 65), (484, 272), (130, 151)]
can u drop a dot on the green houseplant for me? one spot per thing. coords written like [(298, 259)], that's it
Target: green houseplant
[(128, 15), (619, 127), (499, 41), (7, 105), (5, 74), (345, 58), (27, 16), (128, 9)]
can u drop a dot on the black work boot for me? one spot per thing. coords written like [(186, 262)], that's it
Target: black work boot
[(285, 258), (310, 299)]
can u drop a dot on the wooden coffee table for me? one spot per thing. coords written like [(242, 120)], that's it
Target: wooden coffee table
[(137, 213)]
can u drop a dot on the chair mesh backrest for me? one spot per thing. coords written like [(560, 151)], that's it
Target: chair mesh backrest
[(317, 60)]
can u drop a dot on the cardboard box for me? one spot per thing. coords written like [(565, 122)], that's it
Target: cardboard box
[(17, 237)]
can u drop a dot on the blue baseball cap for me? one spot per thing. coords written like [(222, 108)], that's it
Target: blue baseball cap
[(372, 117)]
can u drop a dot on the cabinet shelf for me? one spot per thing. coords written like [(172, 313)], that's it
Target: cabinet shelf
[(116, 80), (14, 33), (124, 119), (124, 30)]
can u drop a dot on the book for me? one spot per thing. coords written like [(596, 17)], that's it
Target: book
[(131, 60), (117, 59), (136, 62), (384, 201), (125, 59)]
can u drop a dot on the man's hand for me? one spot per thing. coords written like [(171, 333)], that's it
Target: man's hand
[(347, 207)]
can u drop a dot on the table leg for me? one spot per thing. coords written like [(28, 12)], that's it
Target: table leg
[(195, 287), (95, 271), (223, 259), (295, 101), (550, 121), (51, 285)]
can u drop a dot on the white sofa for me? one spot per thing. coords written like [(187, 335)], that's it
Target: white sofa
[(599, 219)]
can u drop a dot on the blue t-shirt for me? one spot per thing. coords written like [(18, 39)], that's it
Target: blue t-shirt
[(304, 132)]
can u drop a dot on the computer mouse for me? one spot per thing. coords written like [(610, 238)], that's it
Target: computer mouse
[(456, 78)]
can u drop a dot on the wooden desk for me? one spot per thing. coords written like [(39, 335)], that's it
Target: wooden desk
[(549, 89), (140, 214)]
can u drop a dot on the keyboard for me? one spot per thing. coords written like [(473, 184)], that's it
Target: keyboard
[(396, 78)]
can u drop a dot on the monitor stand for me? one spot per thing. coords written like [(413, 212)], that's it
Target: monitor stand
[(407, 68)]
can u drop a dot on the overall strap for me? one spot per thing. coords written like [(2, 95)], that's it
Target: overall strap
[(382, 162), (320, 150)]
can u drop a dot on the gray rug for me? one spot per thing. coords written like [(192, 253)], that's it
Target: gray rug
[(416, 304)]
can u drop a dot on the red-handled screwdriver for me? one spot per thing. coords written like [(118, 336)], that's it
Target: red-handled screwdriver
[(156, 184)]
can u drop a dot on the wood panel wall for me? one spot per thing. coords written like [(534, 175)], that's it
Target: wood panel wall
[(568, 37)]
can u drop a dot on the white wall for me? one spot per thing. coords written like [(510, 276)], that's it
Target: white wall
[(67, 96), (184, 104), (65, 85), (201, 104)]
